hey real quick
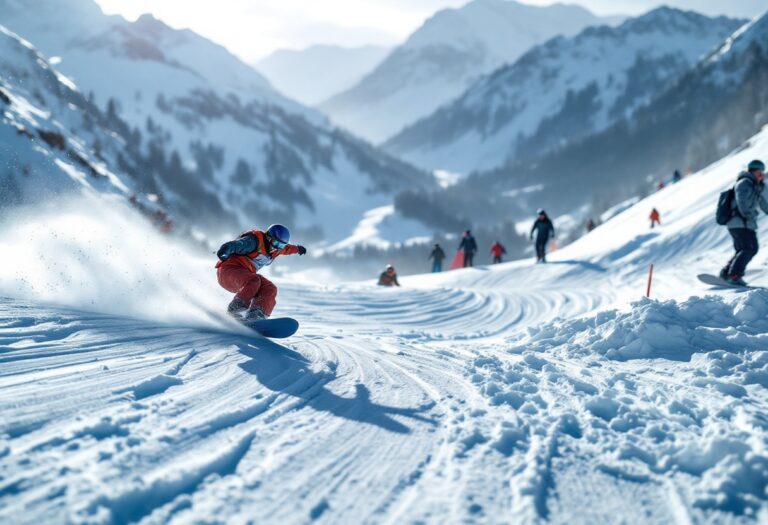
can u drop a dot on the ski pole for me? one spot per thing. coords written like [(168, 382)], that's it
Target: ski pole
[(650, 279)]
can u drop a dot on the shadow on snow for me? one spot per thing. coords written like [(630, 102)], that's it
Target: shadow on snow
[(286, 371)]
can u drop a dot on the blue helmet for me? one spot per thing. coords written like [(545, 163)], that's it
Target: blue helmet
[(279, 233)]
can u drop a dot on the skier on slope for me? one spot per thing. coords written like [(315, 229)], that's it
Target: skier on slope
[(655, 218), (749, 193), (543, 228), (238, 266), (497, 250), (388, 277), (438, 256), (468, 245)]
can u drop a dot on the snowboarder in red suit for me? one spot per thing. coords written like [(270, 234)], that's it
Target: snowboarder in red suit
[(239, 263), (655, 218), (497, 250)]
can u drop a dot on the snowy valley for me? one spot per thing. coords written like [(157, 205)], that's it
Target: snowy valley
[(515, 393), (606, 386)]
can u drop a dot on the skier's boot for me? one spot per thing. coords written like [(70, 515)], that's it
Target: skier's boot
[(724, 274), (255, 313), (236, 307), (737, 280)]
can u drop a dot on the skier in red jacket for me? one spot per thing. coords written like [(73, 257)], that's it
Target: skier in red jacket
[(497, 250), (238, 266)]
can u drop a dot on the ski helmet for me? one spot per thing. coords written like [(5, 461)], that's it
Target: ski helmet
[(541, 211), (756, 165), (279, 232)]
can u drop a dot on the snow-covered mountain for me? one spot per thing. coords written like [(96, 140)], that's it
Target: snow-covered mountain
[(316, 73), (562, 91), (193, 105), (55, 142), (681, 128), (444, 57)]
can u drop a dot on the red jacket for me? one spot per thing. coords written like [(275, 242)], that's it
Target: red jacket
[(497, 250)]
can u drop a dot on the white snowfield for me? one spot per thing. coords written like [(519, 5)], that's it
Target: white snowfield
[(513, 394)]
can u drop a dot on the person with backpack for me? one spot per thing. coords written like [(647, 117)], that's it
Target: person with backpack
[(737, 210), (655, 218), (497, 250), (468, 245), (437, 256), (543, 228)]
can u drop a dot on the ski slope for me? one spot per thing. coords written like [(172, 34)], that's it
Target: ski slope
[(519, 393)]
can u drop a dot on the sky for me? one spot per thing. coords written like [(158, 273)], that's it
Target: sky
[(254, 28)]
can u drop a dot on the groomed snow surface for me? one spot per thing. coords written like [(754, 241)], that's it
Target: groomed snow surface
[(519, 393)]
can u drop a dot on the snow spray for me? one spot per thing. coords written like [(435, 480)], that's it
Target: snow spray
[(101, 255)]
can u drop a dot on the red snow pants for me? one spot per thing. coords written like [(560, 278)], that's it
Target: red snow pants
[(254, 289)]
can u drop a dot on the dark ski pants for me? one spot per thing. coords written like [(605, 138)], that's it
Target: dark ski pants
[(496, 259), (745, 244), (468, 259), (541, 247), (253, 289), (437, 266)]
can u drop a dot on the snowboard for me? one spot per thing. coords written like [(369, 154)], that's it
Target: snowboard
[(278, 328), (714, 280), (458, 261)]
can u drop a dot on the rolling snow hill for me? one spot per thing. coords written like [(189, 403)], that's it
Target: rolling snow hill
[(521, 393), (202, 113), (444, 57), (315, 74), (562, 91)]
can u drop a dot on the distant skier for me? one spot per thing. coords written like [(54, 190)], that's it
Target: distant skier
[(239, 263), (590, 225), (749, 193), (655, 218), (468, 245), (544, 229), (437, 256), (497, 250), (388, 277), (676, 177), (660, 186)]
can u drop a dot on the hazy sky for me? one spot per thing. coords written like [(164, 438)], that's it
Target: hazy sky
[(254, 28)]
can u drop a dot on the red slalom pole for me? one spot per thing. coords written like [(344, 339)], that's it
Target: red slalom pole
[(650, 279)]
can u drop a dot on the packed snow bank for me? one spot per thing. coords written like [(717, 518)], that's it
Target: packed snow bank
[(96, 253), (669, 330)]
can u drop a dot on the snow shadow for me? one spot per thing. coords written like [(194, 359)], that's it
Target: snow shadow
[(283, 370), (584, 264)]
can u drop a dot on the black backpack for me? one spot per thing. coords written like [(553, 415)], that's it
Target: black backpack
[(726, 208)]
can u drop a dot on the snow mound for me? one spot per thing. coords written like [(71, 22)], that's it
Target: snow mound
[(668, 329)]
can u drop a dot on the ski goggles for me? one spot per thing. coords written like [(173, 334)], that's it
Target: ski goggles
[(278, 245)]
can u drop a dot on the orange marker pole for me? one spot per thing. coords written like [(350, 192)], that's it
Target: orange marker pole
[(650, 279)]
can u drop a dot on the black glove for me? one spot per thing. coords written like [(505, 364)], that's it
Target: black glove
[(301, 249), (225, 251)]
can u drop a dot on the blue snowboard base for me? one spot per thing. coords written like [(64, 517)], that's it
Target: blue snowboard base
[(278, 328)]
